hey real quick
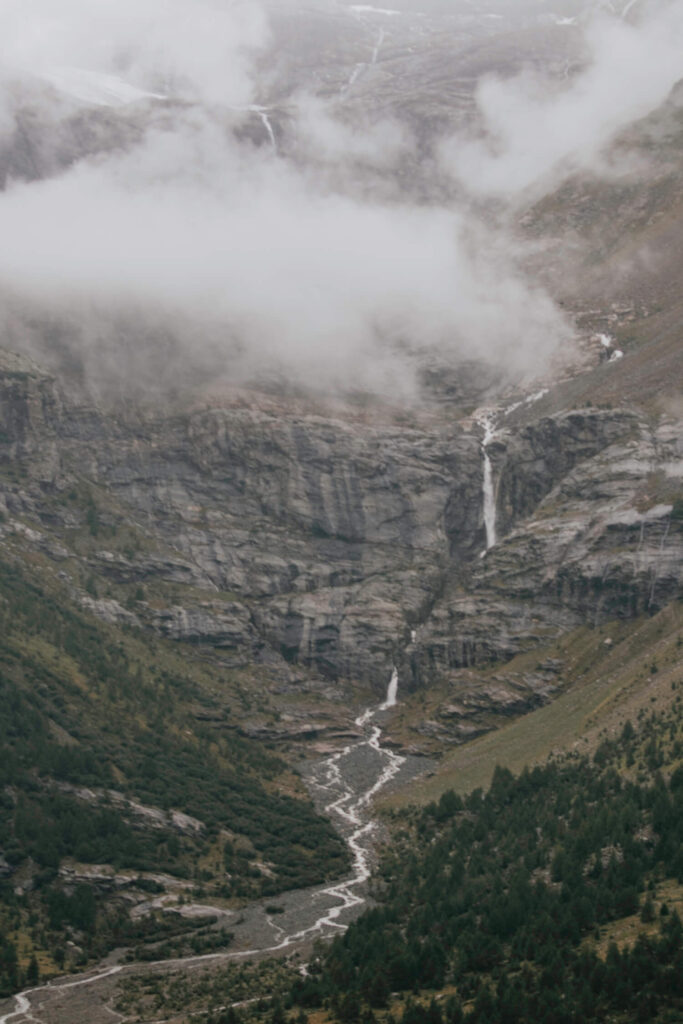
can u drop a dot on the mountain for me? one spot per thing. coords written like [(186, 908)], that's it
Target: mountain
[(347, 543), (206, 571)]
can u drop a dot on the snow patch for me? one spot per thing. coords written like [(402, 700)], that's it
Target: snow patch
[(366, 9), (94, 88)]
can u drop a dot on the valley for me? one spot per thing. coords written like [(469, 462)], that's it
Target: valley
[(341, 513), (344, 784)]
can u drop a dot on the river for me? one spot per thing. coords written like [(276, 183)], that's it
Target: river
[(343, 786)]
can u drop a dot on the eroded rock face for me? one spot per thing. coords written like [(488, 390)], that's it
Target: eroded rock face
[(333, 535), (598, 544), (282, 537)]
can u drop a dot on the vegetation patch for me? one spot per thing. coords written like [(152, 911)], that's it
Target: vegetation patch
[(103, 739), (512, 900)]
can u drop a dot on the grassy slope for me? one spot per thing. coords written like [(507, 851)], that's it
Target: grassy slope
[(123, 700), (87, 704), (605, 686)]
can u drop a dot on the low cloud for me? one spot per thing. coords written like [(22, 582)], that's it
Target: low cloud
[(239, 261), (535, 130), (190, 228), (199, 49), (323, 136)]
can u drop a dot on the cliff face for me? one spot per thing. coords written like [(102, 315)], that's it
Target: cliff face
[(291, 538), (314, 540), (287, 537), (585, 502)]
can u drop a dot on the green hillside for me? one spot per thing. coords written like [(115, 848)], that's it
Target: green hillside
[(553, 897), (621, 671), (101, 740)]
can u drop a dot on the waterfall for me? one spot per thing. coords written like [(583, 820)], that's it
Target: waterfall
[(487, 420), (262, 113), (489, 503), (392, 691), (489, 494), (378, 46), (265, 121)]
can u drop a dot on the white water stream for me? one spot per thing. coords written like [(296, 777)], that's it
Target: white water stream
[(350, 804), (489, 420), (347, 781), (378, 46), (262, 114), (265, 121), (362, 65), (486, 420), (488, 488)]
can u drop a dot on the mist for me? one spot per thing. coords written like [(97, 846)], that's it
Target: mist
[(201, 49), (248, 249), (535, 132), (200, 242)]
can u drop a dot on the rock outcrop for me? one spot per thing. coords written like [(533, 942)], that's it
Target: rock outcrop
[(284, 537), (586, 538)]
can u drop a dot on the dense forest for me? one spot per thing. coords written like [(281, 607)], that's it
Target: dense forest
[(498, 903), (94, 723)]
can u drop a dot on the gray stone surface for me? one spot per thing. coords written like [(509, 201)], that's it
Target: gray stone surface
[(349, 547)]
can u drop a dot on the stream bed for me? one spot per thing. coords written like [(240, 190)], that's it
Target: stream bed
[(342, 786)]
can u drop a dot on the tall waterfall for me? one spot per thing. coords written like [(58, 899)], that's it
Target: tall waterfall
[(489, 503), (392, 691), (488, 490), (265, 121)]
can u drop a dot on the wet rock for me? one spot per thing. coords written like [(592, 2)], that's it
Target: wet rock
[(588, 552), (345, 547)]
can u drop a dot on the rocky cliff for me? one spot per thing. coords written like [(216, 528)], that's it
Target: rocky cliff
[(342, 540), (588, 534), (290, 537)]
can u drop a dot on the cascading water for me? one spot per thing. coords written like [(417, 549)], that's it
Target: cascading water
[(262, 114), (392, 692), (489, 503), (489, 420), (378, 46), (346, 783), (265, 121), (486, 421), (362, 65)]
